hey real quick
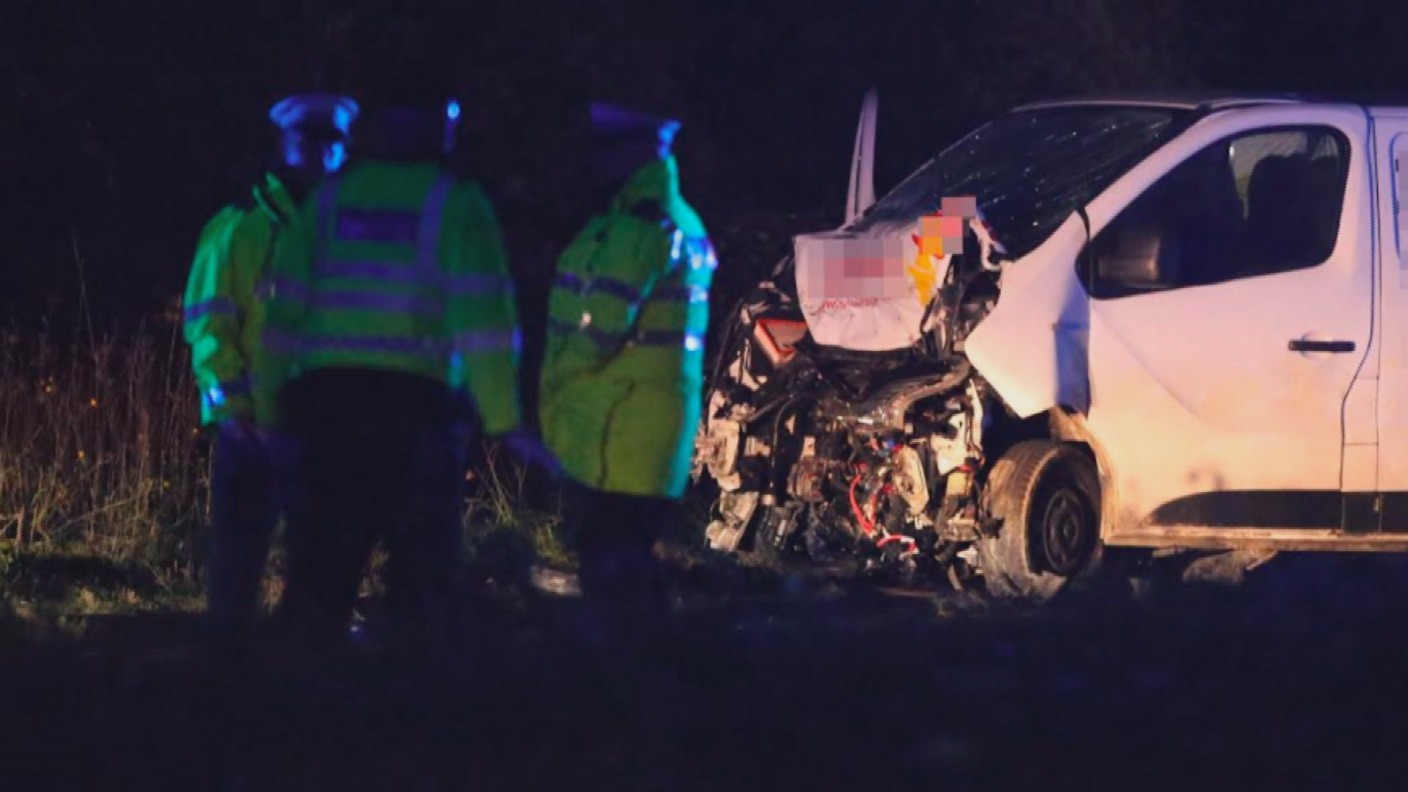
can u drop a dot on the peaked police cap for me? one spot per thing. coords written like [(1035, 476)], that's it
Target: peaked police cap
[(327, 112), (611, 121)]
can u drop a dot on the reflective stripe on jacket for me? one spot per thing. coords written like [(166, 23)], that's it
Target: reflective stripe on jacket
[(622, 376), (399, 266)]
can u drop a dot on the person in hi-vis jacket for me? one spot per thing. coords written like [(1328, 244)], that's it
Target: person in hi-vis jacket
[(223, 324), (622, 377)]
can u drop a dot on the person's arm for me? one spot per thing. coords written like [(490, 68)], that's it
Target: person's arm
[(212, 318), (634, 256), (482, 315)]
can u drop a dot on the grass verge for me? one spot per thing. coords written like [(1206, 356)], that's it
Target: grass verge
[(104, 485)]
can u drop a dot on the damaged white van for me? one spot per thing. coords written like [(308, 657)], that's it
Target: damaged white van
[(1174, 322)]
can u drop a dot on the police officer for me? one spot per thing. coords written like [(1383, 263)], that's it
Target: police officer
[(223, 323), (394, 321), (622, 375)]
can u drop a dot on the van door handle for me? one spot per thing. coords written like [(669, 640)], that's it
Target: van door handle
[(1306, 345)]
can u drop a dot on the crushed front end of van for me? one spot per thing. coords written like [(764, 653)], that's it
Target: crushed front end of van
[(851, 420)]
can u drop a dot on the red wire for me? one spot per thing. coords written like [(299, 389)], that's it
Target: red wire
[(895, 538), (855, 507)]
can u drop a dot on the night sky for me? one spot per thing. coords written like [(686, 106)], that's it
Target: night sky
[(126, 124)]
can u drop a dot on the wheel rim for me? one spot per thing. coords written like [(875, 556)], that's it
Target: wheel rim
[(1068, 528)]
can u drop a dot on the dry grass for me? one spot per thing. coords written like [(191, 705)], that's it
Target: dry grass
[(104, 481), (506, 500)]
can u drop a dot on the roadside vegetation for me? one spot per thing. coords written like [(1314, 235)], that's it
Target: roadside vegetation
[(104, 483)]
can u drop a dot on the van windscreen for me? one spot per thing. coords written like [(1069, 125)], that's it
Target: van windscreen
[(1031, 169)]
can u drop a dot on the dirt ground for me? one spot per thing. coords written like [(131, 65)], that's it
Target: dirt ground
[(1293, 678)]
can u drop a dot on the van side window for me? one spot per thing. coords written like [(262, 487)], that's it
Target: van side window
[(1255, 204)]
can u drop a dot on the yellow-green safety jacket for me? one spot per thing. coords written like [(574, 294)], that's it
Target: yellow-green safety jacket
[(622, 377), (223, 320), (399, 266)]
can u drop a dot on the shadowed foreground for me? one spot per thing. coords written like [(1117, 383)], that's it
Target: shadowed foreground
[(1298, 675)]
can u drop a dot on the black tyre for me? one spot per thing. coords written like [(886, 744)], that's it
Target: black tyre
[(1047, 497)]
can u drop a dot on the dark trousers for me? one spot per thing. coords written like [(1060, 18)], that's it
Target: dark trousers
[(381, 458), (614, 534), (244, 506)]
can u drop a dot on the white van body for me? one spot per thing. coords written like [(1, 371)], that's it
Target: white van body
[(1220, 328), (1196, 405)]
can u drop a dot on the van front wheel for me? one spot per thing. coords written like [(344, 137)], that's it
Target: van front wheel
[(1045, 499)]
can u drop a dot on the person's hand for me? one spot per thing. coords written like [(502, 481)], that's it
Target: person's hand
[(524, 445)]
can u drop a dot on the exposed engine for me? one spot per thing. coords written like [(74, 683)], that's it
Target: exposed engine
[(837, 457)]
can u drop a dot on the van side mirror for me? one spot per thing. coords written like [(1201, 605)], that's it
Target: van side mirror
[(1139, 257)]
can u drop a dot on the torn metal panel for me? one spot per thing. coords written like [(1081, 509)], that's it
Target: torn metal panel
[(735, 512), (1033, 347)]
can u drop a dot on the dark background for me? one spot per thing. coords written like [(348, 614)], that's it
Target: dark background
[(125, 125)]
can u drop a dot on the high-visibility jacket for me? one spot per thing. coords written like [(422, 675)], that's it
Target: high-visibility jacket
[(623, 371), (401, 267), (223, 320)]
